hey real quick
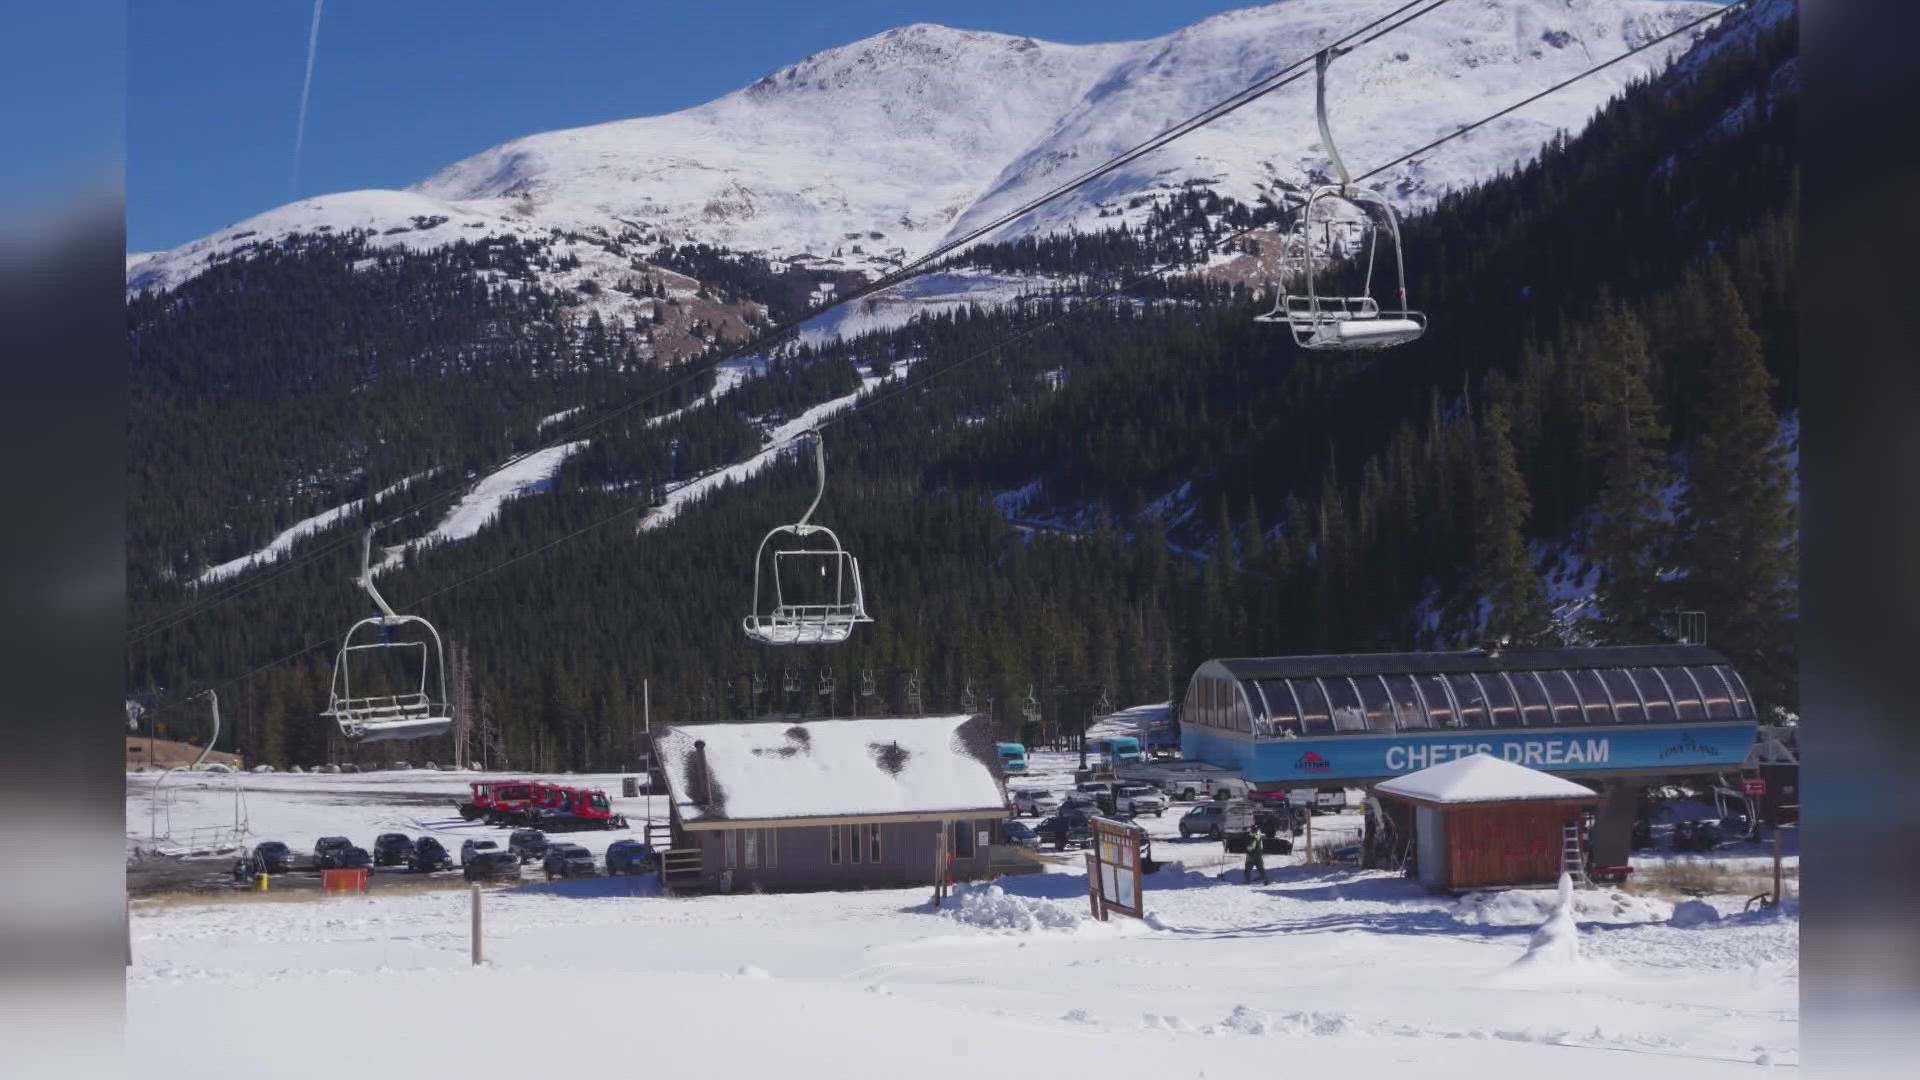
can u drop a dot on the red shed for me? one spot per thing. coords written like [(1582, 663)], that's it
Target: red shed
[(1480, 822)]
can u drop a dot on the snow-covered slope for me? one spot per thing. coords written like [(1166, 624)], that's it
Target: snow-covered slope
[(1462, 62), (871, 153)]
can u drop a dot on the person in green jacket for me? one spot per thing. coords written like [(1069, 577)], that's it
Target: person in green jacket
[(1256, 856)]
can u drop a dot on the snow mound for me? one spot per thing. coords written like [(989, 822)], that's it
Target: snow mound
[(1246, 1020), (749, 971), (1530, 907), (1692, 913), (1557, 943), (1079, 1016), (992, 908)]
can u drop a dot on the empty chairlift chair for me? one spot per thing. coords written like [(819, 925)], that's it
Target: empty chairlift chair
[(416, 709), (1309, 299), (815, 596)]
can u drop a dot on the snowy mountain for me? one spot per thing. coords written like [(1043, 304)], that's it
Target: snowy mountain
[(866, 155)]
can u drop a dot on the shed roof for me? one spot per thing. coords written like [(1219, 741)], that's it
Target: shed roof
[(834, 768), (1481, 778)]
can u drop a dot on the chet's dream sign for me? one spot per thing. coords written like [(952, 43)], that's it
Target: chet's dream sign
[(1678, 748)]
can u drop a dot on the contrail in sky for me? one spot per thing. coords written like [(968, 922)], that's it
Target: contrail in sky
[(306, 88)]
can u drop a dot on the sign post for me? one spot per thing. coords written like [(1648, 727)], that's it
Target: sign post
[(1113, 869)]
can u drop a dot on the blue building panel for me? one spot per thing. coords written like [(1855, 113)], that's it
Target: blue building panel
[(1677, 748)]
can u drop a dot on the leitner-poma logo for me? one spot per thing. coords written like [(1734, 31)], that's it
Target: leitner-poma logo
[(1686, 745), (1311, 761)]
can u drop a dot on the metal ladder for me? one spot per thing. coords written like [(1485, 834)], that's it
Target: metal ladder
[(1573, 861)]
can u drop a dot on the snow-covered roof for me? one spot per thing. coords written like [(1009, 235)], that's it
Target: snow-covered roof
[(1481, 778), (833, 768)]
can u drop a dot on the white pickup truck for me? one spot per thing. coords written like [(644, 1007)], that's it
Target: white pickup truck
[(1138, 799), (1187, 781)]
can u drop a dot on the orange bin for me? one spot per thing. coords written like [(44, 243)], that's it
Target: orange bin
[(344, 881)]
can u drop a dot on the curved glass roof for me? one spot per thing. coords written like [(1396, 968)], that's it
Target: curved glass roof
[(1388, 693)]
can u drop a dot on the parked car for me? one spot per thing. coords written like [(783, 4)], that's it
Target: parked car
[(471, 849), (529, 844), (430, 855), (494, 865), (1068, 828), (1034, 802), (1017, 833), (1094, 787), (1696, 836), (1206, 819), (1133, 800), (272, 857), (328, 851), (567, 860), (628, 857), (1082, 801), (354, 858), (392, 849)]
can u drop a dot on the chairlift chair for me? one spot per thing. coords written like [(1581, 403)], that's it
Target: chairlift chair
[(913, 693), (867, 685), (789, 682), (1030, 709), (826, 682), (968, 704), (406, 714), (1331, 321), (826, 619)]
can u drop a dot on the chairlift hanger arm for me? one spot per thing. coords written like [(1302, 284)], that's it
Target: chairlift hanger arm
[(1320, 61), (366, 573)]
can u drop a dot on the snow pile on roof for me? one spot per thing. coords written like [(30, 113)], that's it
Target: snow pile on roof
[(992, 908), (834, 768), (1528, 907), (1481, 778)]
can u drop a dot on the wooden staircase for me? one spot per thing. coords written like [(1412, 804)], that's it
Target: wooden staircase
[(681, 870)]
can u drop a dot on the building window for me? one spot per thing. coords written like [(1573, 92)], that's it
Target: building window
[(873, 843), (853, 842), (773, 848), (750, 850), (963, 839), (728, 848), (833, 845)]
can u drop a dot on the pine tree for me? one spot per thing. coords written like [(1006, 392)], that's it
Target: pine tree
[(1503, 573), (1629, 541), (1737, 520)]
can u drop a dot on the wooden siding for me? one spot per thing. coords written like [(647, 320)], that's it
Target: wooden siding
[(1506, 844), (805, 855)]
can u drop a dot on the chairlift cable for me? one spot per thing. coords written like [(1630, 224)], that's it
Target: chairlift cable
[(1088, 303), (1253, 92)]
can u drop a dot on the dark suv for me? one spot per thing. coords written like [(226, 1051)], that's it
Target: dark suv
[(430, 855), (338, 853), (628, 857), (272, 857), (392, 849), (528, 844), (493, 865), (567, 860), (1066, 829)]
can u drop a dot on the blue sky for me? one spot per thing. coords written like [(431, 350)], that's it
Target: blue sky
[(403, 87)]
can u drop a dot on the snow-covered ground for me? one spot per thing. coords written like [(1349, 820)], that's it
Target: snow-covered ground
[(481, 504), (1329, 970), (933, 294), (779, 441), (293, 534)]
